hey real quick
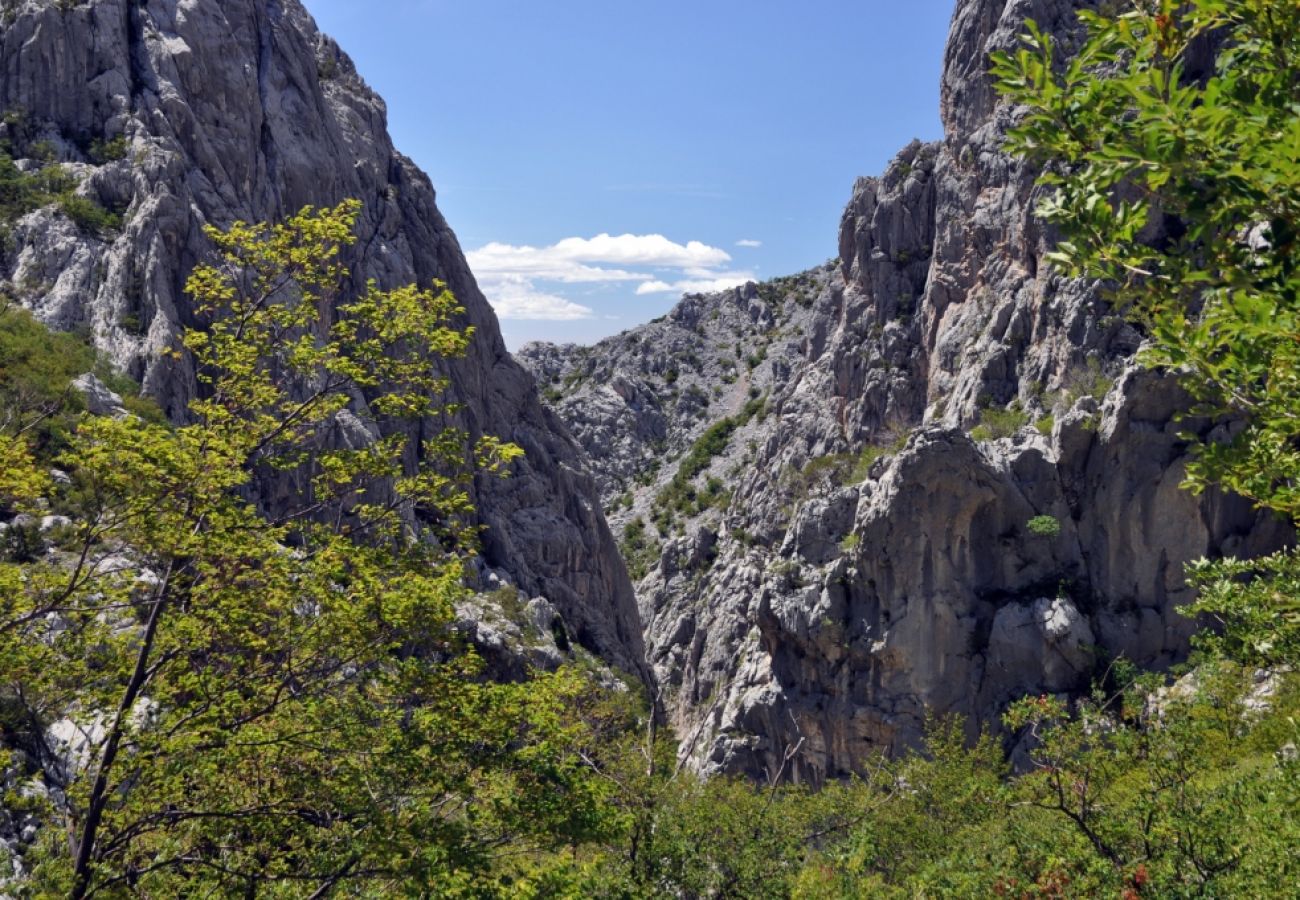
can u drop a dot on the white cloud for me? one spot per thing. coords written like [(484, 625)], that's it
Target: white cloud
[(570, 259), (641, 250), (721, 282), (537, 306), (748, 242), (494, 260), (522, 281), (653, 287)]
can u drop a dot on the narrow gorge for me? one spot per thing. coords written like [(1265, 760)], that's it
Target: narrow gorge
[(804, 567)]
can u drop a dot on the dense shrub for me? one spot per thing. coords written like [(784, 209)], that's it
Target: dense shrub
[(22, 192), (997, 423)]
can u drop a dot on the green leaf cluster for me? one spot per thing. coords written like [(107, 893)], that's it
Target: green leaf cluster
[(1179, 188), (22, 192), (1044, 526), (280, 704)]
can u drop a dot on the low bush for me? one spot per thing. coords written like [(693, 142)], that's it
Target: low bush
[(1044, 526), (997, 423)]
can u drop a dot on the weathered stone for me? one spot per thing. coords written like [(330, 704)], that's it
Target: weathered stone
[(847, 597), (100, 401), (242, 109)]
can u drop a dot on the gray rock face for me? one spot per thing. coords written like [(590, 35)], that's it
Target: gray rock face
[(866, 557), (242, 109), (100, 401)]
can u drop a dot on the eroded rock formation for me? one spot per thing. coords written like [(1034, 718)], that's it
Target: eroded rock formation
[(173, 114), (868, 558)]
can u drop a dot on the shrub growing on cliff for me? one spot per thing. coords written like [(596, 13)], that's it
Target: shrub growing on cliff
[(998, 423), (1044, 526)]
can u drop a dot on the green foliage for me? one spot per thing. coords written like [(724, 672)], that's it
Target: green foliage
[(1189, 801), (841, 469), (997, 423), (36, 364), (639, 551), (105, 151), (1122, 798), (37, 367), (89, 215), (870, 454), (1044, 526), (22, 192), (285, 704), (681, 496), (1090, 381), (1219, 294), (683, 836), (1255, 604), (22, 543), (1179, 190)]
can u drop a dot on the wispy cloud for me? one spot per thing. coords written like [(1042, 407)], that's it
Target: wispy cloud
[(516, 298), (526, 282), (722, 282), (748, 242)]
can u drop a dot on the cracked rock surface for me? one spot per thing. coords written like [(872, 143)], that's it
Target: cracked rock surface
[(857, 553), (175, 114)]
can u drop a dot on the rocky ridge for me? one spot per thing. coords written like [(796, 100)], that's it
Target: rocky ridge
[(952, 485), (163, 116)]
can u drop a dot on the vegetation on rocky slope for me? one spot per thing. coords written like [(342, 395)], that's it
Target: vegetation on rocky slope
[(199, 697), (280, 707)]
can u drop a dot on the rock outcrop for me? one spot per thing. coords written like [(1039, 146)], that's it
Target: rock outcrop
[(858, 553), (168, 115)]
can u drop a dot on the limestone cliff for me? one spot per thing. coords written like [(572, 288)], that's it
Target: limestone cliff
[(173, 114), (855, 549)]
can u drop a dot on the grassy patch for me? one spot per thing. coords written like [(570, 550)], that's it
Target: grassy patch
[(1000, 423), (639, 550)]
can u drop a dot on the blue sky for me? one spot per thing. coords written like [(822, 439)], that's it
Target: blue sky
[(597, 158)]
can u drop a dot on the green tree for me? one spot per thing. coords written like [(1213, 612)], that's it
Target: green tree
[(279, 705), (1180, 190)]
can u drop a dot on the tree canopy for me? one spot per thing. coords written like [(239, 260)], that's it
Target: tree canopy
[(252, 702)]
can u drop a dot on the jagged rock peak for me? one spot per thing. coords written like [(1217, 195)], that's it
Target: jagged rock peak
[(824, 569)]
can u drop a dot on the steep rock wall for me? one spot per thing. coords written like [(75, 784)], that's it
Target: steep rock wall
[(871, 561), (242, 109)]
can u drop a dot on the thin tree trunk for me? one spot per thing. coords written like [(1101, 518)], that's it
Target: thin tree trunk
[(85, 849)]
